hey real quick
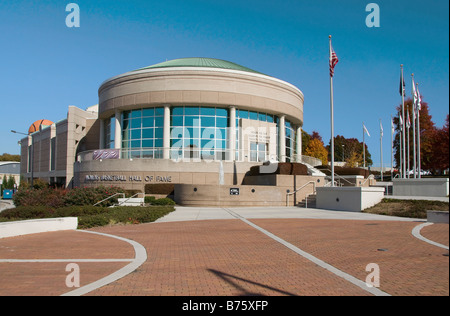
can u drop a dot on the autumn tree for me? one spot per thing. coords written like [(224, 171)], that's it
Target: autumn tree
[(350, 148), (441, 149), (317, 149)]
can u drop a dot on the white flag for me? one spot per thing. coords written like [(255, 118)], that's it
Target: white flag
[(392, 126), (400, 122), (408, 121), (419, 100), (365, 130), (381, 129)]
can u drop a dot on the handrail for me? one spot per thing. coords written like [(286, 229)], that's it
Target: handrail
[(293, 192), (123, 194), (130, 198), (369, 177)]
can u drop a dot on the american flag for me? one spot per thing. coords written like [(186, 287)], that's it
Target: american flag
[(333, 60)]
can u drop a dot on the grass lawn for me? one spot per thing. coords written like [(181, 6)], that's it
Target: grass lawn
[(407, 208)]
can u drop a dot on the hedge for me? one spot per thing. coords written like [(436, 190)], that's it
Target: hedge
[(90, 216)]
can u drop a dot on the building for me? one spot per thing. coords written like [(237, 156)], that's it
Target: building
[(181, 123), (10, 169)]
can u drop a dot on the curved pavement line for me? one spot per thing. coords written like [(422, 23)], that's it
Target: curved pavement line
[(355, 281), (140, 258), (416, 233)]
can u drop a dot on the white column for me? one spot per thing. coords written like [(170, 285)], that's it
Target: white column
[(118, 130), (102, 134), (166, 132), (282, 139), (232, 135), (299, 144)]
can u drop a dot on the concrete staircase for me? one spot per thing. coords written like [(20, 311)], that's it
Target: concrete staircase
[(309, 201)]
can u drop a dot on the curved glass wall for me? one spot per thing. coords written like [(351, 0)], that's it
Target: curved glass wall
[(195, 133), (198, 132), (142, 133)]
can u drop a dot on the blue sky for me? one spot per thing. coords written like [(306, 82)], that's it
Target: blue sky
[(46, 66)]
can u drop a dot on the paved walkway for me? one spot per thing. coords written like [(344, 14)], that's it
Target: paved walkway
[(234, 251)]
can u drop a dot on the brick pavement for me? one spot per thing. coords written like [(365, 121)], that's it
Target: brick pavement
[(228, 257)]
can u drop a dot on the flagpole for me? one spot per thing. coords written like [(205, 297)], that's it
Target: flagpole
[(414, 125), (381, 149), (332, 121), (364, 148), (418, 132), (403, 123), (400, 142), (408, 126), (392, 150)]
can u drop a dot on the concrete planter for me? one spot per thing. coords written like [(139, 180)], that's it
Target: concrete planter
[(353, 199), (11, 229), (436, 187)]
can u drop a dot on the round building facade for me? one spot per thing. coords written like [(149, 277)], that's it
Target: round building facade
[(191, 121)]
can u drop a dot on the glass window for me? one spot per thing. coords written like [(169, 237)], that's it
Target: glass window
[(221, 112), (148, 112), (253, 115), (148, 122), (191, 110), (148, 133), (222, 122), (177, 121), (136, 113), (159, 111), (208, 111), (159, 133), (179, 110), (208, 121), (191, 121), (159, 121), (135, 123), (243, 114), (262, 117), (147, 143), (135, 134)]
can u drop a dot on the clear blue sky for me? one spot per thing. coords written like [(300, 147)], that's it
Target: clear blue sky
[(46, 66)]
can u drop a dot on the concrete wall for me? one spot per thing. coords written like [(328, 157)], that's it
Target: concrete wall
[(207, 195), (437, 187), (194, 86), (354, 199), (11, 229)]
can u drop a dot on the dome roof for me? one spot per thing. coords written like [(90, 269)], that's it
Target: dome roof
[(200, 62), (36, 125)]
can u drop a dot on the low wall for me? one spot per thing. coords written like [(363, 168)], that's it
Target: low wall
[(226, 195), (437, 187), (437, 217), (11, 229), (354, 199)]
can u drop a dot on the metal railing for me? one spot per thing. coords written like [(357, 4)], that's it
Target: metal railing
[(303, 186), (109, 197), (131, 197)]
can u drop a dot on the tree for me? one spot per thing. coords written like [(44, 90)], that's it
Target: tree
[(9, 157), (441, 149), (317, 149), (350, 148)]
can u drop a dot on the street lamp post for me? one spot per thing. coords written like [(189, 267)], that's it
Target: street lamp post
[(32, 154)]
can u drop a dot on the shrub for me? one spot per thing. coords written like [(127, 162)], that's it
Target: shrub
[(163, 201), (39, 197), (149, 199)]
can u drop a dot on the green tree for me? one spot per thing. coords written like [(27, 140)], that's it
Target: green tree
[(9, 157)]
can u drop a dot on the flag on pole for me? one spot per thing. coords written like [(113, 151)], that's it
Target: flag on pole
[(400, 122), (402, 86), (408, 121), (381, 129), (419, 100), (333, 60), (365, 130), (392, 126), (414, 93)]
